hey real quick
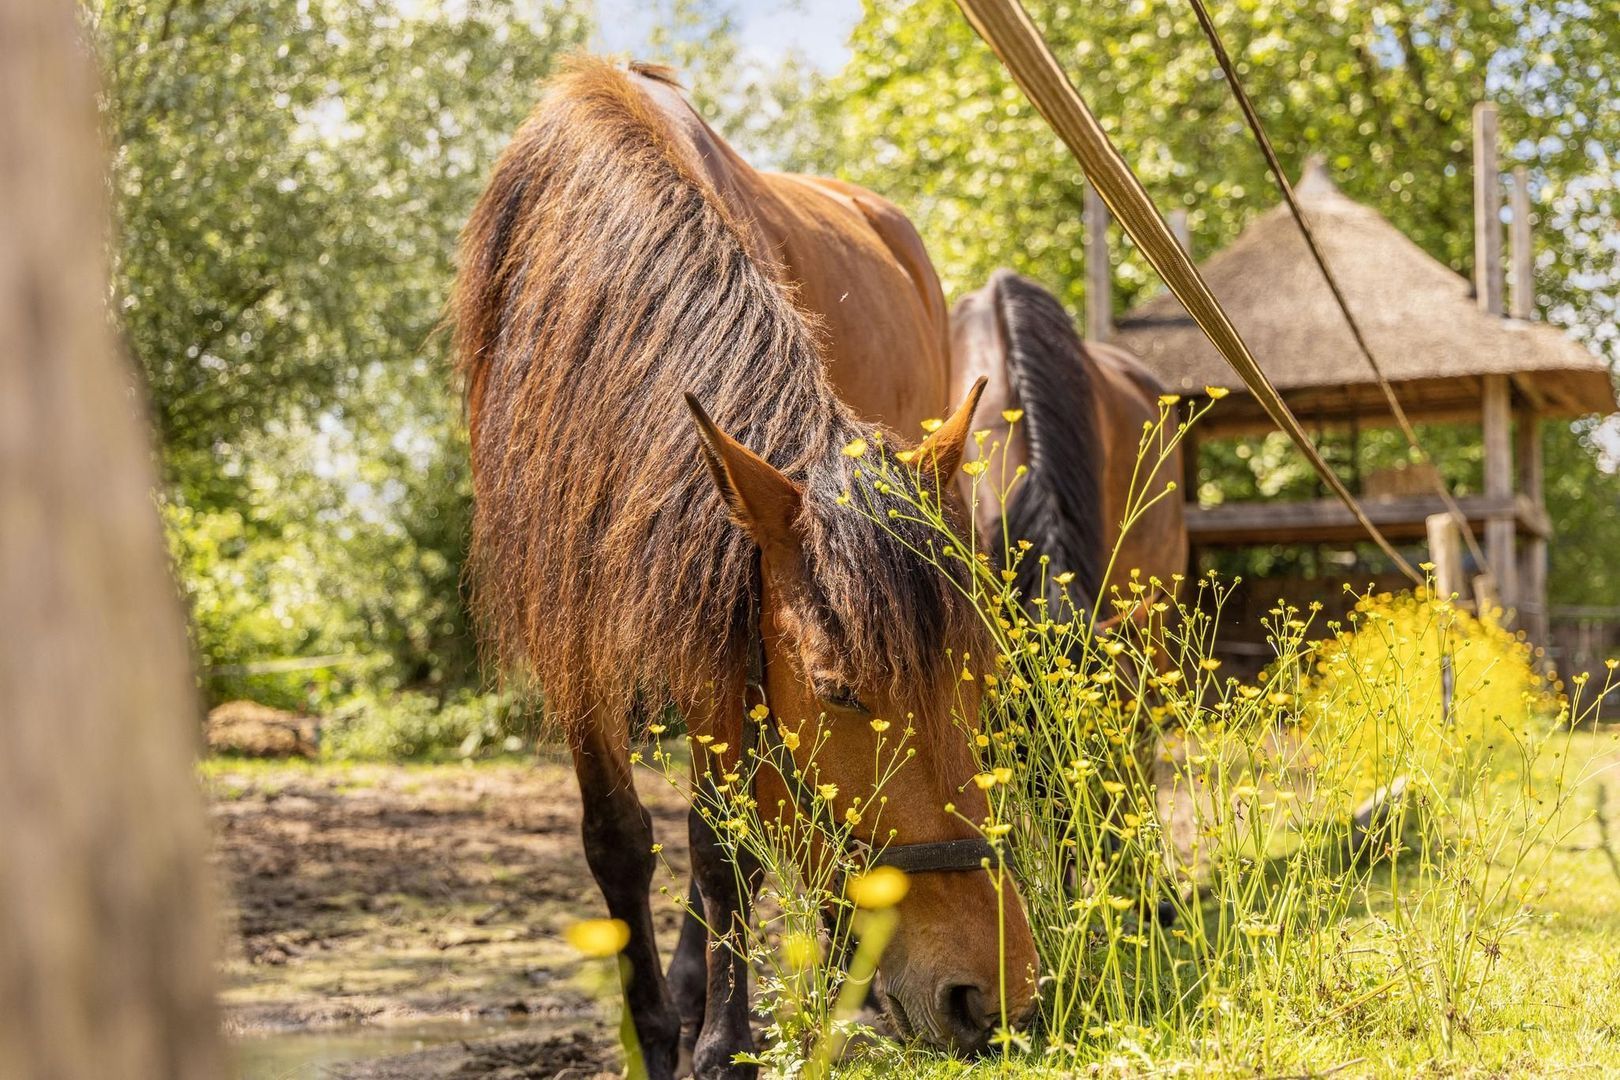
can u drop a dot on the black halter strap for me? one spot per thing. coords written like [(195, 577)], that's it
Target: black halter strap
[(968, 853)]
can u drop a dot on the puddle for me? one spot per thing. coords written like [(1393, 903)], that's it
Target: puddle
[(317, 1055)]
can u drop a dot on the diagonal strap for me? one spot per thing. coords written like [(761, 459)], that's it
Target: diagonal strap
[(1007, 28)]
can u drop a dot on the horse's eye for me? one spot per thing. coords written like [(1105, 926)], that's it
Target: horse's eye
[(838, 696)]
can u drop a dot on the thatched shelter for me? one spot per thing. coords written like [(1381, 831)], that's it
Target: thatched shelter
[(1420, 317), (1447, 355)]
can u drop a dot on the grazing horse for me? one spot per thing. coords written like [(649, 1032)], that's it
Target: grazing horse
[(621, 257), (1084, 406)]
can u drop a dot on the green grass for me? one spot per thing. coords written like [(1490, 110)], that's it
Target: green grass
[(1476, 934), (1551, 1005)]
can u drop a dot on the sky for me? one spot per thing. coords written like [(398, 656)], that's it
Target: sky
[(766, 29)]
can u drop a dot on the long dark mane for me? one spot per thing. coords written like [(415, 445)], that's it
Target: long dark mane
[(1059, 507), (601, 278)]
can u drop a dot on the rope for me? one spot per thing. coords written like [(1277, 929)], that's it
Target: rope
[(1294, 208), (1007, 28)]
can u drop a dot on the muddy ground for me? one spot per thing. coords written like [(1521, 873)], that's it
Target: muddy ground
[(410, 917)]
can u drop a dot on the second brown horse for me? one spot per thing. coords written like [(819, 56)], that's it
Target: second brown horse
[(1084, 406)]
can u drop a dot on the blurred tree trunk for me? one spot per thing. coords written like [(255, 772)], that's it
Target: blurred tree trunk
[(106, 927)]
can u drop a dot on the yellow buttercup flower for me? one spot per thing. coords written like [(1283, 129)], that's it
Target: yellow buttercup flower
[(1169, 399), (598, 937), (974, 468), (759, 712), (801, 951), (880, 726), (790, 739), (932, 424), (855, 448), (852, 816), (1012, 416), (827, 791), (880, 888), (985, 780), (1215, 393)]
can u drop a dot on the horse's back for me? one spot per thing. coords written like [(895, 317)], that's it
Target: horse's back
[(861, 267)]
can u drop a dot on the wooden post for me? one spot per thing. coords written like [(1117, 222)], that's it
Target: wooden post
[(1487, 211), (106, 927), (1496, 423), (1189, 460), (1181, 229), (1532, 568), (1522, 301), (1445, 551), (1099, 275)]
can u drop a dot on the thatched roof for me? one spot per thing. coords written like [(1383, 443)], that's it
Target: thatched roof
[(1419, 316)]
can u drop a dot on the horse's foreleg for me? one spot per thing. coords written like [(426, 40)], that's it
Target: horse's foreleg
[(689, 973), (727, 890), (618, 846)]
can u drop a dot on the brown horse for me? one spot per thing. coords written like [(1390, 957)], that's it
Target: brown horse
[(1084, 406), (623, 256)]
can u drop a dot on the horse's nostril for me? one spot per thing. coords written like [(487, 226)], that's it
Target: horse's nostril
[(971, 1021)]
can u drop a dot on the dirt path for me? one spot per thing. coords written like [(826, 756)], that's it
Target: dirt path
[(422, 903)]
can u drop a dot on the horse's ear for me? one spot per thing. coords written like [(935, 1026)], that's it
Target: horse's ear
[(760, 498), (942, 450)]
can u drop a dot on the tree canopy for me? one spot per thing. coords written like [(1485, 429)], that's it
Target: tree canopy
[(289, 182)]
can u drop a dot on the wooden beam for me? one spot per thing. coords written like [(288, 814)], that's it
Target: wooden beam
[(1099, 274), (1527, 454), (1487, 212), (1311, 521), (1496, 425), (1522, 302)]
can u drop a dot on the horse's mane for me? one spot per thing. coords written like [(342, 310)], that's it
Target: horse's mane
[(601, 278), (1058, 508)]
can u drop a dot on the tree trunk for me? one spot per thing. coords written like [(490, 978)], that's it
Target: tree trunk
[(106, 925)]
